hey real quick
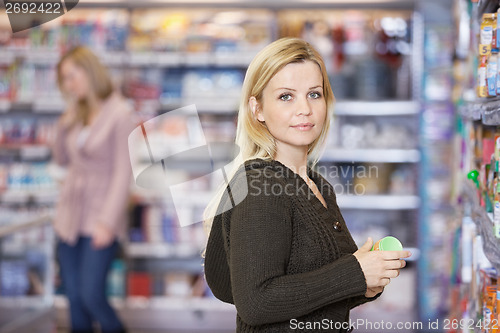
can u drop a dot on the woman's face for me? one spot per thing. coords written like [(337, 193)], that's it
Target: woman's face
[(293, 106), (75, 81)]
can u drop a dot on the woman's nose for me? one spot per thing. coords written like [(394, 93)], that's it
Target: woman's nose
[(304, 107)]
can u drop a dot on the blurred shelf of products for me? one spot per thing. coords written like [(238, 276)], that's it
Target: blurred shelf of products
[(475, 251), (389, 153)]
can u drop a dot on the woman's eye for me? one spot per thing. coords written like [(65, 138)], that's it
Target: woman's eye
[(286, 97), (314, 95)]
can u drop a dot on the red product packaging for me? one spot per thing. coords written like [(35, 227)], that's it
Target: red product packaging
[(139, 284)]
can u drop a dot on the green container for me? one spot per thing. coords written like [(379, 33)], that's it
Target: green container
[(388, 243)]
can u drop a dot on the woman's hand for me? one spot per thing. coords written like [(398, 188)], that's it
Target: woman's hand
[(372, 292), (101, 236), (379, 266)]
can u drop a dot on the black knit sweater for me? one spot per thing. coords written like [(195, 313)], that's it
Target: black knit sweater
[(280, 256)]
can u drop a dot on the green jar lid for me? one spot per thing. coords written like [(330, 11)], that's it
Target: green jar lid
[(390, 243)]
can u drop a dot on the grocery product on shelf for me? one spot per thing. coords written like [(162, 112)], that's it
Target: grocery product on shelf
[(487, 34), (477, 224)]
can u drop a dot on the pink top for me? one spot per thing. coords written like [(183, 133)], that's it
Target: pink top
[(97, 184)]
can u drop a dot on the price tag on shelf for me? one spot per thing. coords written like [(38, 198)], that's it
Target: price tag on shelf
[(484, 49)]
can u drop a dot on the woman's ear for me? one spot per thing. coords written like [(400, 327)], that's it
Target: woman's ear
[(256, 110)]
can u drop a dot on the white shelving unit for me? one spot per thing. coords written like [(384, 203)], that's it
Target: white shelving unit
[(168, 313), (378, 108), (28, 196), (21, 313), (379, 201), (162, 250), (372, 155)]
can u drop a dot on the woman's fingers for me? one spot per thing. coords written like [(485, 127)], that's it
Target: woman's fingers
[(391, 255), (384, 282), (394, 264), (392, 273)]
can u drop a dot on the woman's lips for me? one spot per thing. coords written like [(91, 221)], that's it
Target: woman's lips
[(303, 126)]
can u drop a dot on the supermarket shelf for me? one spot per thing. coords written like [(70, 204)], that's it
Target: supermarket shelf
[(158, 302), (382, 108), (486, 7), (50, 57), (486, 109), (15, 227), (132, 58), (20, 302), (377, 201), (162, 250), (55, 105), (26, 151), (168, 59), (484, 222), (166, 314), (27, 196), (4, 105), (43, 106), (27, 320), (227, 105), (371, 155), (349, 4), (384, 202)]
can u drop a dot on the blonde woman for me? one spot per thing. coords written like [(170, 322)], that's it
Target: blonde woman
[(283, 255), (92, 145)]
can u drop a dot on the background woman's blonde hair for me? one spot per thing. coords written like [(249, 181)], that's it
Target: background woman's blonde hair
[(100, 81), (252, 136)]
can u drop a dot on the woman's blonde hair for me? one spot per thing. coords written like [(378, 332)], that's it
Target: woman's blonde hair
[(100, 81), (252, 137)]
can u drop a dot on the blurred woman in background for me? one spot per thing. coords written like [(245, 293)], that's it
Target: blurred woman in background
[(92, 145)]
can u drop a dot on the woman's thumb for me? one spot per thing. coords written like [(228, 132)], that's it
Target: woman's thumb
[(367, 246)]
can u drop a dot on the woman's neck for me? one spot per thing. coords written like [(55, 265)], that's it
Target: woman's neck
[(93, 103), (294, 158)]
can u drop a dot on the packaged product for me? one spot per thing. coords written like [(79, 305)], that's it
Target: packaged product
[(498, 31), (482, 90), (388, 243), (498, 72), (494, 48), (496, 212), (486, 35), (491, 75)]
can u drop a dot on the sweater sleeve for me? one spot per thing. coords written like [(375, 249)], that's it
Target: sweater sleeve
[(359, 300), (119, 188), (260, 234)]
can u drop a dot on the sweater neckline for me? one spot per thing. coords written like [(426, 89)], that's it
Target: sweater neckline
[(292, 175)]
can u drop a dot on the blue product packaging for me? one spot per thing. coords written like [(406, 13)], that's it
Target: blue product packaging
[(491, 75)]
